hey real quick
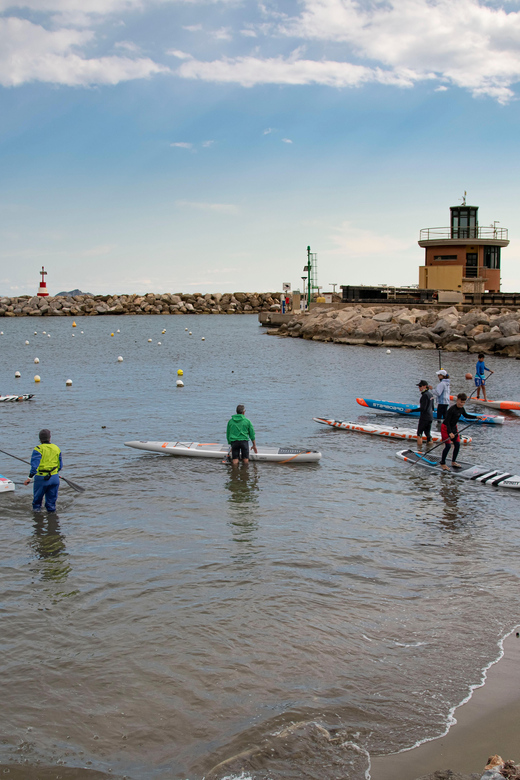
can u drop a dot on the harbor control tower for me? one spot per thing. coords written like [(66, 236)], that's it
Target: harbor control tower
[(465, 256)]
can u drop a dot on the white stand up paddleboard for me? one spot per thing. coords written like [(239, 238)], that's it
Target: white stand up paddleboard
[(466, 470), (195, 449), (390, 432), (14, 398), (6, 486)]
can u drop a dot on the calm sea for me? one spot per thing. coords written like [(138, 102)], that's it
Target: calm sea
[(177, 614)]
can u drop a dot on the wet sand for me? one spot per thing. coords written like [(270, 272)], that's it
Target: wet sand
[(488, 723)]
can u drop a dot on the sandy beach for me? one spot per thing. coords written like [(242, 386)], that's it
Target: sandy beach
[(487, 724)]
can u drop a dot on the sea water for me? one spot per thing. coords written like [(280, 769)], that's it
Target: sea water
[(179, 613)]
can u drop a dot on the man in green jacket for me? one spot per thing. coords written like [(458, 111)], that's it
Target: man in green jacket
[(239, 431)]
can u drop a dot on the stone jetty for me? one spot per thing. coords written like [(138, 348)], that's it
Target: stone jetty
[(168, 303), (492, 330)]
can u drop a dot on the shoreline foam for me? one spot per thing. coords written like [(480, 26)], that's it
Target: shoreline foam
[(486, 723)]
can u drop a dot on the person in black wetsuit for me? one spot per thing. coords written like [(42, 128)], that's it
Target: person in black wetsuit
[(425, 410), (450, 432)]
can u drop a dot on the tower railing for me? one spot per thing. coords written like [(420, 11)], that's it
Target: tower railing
[(444, 233)]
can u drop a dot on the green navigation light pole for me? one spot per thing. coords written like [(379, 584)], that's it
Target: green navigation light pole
[(308, 269)]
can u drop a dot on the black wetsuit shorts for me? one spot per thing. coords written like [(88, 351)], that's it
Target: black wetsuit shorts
[(239, 448)]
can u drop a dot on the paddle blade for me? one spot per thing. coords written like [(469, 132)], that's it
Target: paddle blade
[(73, 485)]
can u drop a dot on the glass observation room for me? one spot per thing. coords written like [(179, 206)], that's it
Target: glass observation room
[(464, 221)]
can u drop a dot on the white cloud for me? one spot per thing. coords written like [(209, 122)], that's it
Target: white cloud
[(192, 27), (355, 242), (28, 52), (467, 42), (287, 140), (207, 144), (249, 71), (128, 46), (181, 55), (222, 34), (222, 208), (267, 131), (183, 145)]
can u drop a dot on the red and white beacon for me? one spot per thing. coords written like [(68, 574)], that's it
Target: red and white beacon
[(42, 292)]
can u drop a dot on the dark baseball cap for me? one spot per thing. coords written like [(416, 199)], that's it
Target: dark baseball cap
[(422, 383)]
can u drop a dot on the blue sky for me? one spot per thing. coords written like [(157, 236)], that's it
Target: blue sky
[(161, 145)]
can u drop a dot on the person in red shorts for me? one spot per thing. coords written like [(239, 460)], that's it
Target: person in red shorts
[(450, 432)]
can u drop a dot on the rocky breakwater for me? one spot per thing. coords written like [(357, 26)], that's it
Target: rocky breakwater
[(492, 330), (180, 303)]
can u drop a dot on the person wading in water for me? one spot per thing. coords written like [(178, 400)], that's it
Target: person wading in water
[(239, 431), (45, 463)]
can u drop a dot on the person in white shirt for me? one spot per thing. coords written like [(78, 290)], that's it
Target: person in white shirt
[(442, 393)]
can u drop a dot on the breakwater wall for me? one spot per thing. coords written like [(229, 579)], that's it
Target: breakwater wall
[(168, 303), (493, 330)]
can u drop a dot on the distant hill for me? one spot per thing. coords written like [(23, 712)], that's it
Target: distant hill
[(71, 293)]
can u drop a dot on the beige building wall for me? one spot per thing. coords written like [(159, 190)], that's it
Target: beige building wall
[(434, 277)]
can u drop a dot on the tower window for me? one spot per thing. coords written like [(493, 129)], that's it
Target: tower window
[(491, 257)]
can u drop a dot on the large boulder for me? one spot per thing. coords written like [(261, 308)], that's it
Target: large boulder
[(456, 345), (487, 338), (404, 318), (510, 327), (385, 316), (508, 341)]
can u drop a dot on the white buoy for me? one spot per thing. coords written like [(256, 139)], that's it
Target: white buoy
[(203, 339), (17, 375), (117, 331), (26, 343), (185, 328), (69, 382), (73, 335), (44, 332), (35, 332), (190, 333), (48, 335), (1, 332), (149, 341), (179, 383), (119, 359), (388, 351), (36, 360), (158, 343), (82, 331), (36, 378)]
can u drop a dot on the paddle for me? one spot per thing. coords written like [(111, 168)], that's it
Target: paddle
[(69, 482), (444, 442)]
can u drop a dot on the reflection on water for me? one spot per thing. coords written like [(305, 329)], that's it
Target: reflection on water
[(48, 544), (450, 494), (243, 501)]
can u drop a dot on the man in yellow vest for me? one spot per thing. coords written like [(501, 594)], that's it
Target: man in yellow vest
[(45, 464)]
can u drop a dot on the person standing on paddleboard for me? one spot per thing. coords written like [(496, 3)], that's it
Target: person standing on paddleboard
[(442, 393), (450, 432), (45, 463), (239, 431), (480, 376), (425, 410)]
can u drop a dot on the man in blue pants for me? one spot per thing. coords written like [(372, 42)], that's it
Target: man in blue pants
[(46, 462)]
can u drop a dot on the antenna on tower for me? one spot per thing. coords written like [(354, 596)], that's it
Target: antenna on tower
[(464, 198)]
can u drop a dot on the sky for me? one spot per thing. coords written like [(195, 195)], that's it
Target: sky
[(202, 145)]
